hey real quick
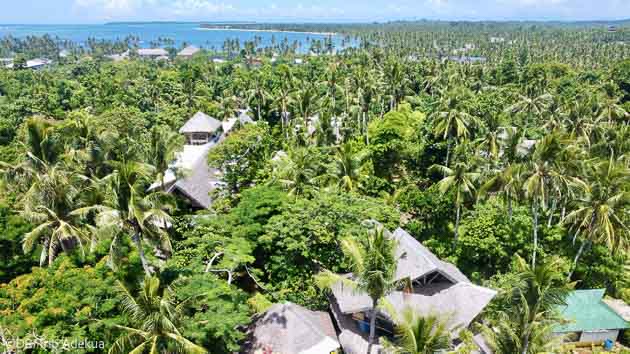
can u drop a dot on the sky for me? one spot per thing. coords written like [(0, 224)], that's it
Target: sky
[(100, 11)]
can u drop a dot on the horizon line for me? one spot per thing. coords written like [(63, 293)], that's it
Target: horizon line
[(325, 21)]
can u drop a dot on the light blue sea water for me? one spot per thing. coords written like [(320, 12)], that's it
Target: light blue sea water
[(181, 33)]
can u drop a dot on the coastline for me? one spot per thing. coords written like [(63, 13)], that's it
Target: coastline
[(264, 30)]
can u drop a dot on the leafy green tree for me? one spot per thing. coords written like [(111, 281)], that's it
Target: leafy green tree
[(206, 299), (297, 171), (63, 302), (242, 156), (12, 229), (306, 236)]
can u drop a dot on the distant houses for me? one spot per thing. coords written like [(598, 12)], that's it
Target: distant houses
[(188, 52), (33, 64), (118, 57), (153, 53), (438, 288), (590, 318), (467, 59)]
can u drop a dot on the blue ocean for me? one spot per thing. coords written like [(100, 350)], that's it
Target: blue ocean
[(180, 33)]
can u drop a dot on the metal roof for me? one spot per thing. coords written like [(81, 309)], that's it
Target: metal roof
[(587, 312)]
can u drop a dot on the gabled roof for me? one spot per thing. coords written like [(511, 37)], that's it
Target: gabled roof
[(587, 312), (188, 51), (460, 303), (152, 52), (415, 260), (201, 123), (197, 183), (291, 329)]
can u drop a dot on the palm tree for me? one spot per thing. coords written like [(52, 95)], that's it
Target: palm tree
[(257, 93), (156, 317), (611, 110), (419, 335), (41, 153), (348, 167), (531, 106), (526, 324), (165, 143), (506, 335), (460, 179), (452, 121), (544, 175), (599, 212), (282, 95), (507, 183), (295, 171), (373, 264), (129, 209), (49, 204)]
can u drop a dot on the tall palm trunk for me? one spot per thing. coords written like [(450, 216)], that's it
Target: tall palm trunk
[(551, 212), (509, 206), (577, 257), (372, 326), (457, 218), (367, 137), (44, 255), (137, 242), (535, 218), (448, 150), (525, 345)]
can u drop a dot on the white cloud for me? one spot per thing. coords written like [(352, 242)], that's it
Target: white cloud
[(199, 7)]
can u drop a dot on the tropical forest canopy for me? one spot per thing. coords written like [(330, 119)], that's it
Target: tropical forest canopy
[(514, 167)]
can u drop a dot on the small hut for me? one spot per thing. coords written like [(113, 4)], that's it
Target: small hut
[(201, 129), (589, 317)]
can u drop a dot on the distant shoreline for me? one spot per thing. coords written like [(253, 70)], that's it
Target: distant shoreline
[(264, 30)]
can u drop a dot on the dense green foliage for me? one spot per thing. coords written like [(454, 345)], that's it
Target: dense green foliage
[(514, 168)]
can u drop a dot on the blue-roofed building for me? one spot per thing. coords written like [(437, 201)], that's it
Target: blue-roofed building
[(588, 316)]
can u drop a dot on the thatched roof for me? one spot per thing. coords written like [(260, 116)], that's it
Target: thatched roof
[(415, 260), (460, 303), (291, 329), (201, 123), (197, 183), (454, 296)]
